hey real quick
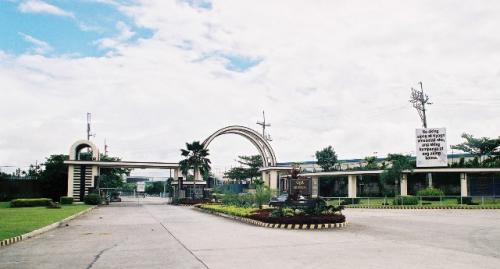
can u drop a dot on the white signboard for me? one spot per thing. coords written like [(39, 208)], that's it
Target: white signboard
[(141, 186), (431, 147)]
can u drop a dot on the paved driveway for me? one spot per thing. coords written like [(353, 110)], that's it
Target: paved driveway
[(154, 235)]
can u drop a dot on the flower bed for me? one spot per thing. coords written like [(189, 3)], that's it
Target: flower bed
[(265, 215), (189, 201), (229, 209)]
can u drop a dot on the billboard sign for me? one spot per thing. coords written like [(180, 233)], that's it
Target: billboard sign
[(431, 147)]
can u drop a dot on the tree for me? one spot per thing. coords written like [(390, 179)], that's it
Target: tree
[(236, 173), (196, 157), (371, 163), (252, 164), (399, 163), (326, 159), (54, 178), (112, 177), (479, 147)]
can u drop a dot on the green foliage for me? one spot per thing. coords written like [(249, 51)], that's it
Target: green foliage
[(236, 173), (229, 209), (262, 195), (399, 163), (54, 178), (405, 200), (326, 158), (30, 202), (248, 170), (196, 157), (129, 187), (371, 163), (66, 200), (154, 187), (430, 192), (479, 146), (283, 212), (112, 177), (92, 199)]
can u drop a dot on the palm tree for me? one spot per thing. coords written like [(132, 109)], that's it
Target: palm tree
[(195, 157)]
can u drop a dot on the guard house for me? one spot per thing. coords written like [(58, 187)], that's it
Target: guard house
[(81, 176)]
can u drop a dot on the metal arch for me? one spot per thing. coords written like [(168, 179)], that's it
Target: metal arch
[(265, 149)]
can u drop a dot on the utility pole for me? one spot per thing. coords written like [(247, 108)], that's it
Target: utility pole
[(419, 100), (89, 134), (264, 125)]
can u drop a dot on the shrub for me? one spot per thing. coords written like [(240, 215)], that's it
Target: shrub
[(65, 200), (229, 209), (92, 199), (30, 202), (430, 194), (262, 195), (405, 200), (283, 212)]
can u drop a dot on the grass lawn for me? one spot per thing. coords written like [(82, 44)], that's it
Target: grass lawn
[(447, 201), (17, 221)]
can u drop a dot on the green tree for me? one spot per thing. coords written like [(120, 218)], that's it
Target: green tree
[(394, 172), (54, 177), (154, 187), (237, 173), (252, 164), (371, 163), (195, 157), (479, 147), (326, 159), (262, 195), (112, 177)]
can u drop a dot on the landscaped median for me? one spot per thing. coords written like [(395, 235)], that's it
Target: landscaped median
[(277, 217), (17, 223)]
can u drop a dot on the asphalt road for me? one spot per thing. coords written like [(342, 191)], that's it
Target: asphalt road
[(149, 234)]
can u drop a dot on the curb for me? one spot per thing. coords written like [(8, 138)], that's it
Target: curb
[(15, 239), (422, 207), (277, 225)]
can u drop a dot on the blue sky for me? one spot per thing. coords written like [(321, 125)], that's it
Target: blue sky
[(74, 33)]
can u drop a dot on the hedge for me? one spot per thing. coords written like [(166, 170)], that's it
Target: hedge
[(30, 202), (65, 200), (405, 200), (92, 199)]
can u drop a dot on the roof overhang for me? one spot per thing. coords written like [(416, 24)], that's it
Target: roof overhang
[(126, 164)]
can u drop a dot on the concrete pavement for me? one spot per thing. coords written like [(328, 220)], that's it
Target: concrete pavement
[(154, 235)]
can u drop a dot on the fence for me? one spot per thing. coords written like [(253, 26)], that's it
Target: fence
[(415, 200)]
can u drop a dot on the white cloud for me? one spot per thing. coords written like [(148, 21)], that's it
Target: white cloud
[(37, 6), (40, 47), (331, 72), (125, 33)]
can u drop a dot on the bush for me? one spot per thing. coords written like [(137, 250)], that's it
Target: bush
[(92, 199), (229, 209), (65, 200), (30, 202), (190, 201), (430, 194), (405, 200)]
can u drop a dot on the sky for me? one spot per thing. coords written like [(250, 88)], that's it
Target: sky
[(157, 74)]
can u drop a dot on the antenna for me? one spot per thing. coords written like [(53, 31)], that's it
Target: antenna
[(264, 125), (105, 147), (89, 119)]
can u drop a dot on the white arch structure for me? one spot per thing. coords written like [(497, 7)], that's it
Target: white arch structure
[(262, 145)]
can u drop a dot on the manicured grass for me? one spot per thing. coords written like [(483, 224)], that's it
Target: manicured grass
[(17, 221)]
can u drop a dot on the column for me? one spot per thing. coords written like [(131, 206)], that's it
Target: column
[(315, 187), (429, 179), (404, 185), (176, 174), (463, 184), (71, 174), (95, 172), (264, 178), (351, 186), (273, 180)]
